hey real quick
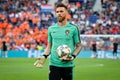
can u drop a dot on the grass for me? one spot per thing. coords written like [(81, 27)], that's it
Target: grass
[(85, 69)]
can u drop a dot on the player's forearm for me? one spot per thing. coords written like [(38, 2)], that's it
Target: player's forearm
[(77, 49), (48, 49)]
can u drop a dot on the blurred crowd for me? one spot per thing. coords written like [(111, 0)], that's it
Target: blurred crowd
[(23, 24), (104, 21)]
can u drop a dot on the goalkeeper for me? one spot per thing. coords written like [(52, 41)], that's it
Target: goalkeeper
[(61, 33)]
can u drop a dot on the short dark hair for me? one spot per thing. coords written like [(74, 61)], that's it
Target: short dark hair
[(61, 5)]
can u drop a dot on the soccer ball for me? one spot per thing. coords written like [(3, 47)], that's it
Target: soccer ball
[(63, 50)]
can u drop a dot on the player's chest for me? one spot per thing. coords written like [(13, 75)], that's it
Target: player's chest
[(62, 33)]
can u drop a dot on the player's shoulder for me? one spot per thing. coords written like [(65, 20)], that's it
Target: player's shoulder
[(73, 26), (52, 26)]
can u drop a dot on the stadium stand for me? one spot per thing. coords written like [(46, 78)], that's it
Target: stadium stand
[(23, 22)]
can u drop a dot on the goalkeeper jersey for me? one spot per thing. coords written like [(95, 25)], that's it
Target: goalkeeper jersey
[(67, 35)]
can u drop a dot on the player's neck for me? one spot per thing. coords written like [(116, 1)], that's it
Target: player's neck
[(63, 23)]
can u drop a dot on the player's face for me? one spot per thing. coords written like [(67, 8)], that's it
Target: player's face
[(61, 13)]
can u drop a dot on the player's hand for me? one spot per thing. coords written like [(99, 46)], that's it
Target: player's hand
[(67, 58), (40, 61)]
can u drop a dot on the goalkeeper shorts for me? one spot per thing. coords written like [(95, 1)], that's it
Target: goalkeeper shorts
[(58, 73)]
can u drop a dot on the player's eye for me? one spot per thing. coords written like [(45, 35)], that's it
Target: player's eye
[(59, 11)]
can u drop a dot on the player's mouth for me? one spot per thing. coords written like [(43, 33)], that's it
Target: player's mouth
[(59, 16)]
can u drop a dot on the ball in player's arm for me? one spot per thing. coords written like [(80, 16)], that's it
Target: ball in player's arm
[(61, 33)]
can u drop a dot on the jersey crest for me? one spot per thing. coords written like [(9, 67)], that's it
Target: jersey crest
[(67, 32)]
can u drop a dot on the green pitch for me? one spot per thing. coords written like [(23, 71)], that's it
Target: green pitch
[(85, 69)]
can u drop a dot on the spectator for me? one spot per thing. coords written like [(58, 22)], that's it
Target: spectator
[(94, 49), (115, 48), (4, 50)]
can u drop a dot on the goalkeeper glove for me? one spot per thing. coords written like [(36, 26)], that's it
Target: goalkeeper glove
[(40, 61), (68, 58)]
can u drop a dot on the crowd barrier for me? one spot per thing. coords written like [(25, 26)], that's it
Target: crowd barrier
[(83, 54)]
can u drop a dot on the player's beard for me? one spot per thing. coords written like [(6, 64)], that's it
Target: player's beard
[(60, 18)]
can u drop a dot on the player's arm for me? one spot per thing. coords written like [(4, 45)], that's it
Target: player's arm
[(41, 60), (47, 50), (77, 50), (77, 42)]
